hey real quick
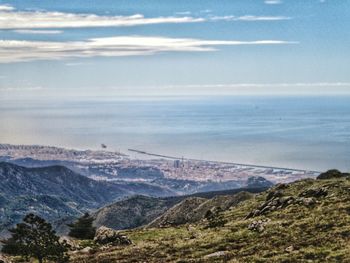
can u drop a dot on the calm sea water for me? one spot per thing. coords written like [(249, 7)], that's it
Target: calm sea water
[(298, 132)]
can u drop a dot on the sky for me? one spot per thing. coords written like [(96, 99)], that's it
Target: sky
[(109, 48)]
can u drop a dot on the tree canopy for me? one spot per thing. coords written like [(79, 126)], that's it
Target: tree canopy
[(83, 228), (34, 237)]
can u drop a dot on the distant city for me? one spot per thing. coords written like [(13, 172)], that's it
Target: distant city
[(104, 165)]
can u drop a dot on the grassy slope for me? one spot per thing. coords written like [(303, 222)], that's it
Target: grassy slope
[(318, 233), (140, 210)]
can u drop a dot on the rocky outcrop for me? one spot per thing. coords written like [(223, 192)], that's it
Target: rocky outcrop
[(71, 243), (331, 174), (276, 200), (105, 235), (274, 203)]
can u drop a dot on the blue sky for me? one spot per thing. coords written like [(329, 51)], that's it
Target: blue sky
[(144, 48)]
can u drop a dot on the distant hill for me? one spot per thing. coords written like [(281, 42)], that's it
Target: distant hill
[(257, 181), (194, 209), (61, 181), (56, 191), (141, 210), (56, 181), (186, 187), (132, 212)]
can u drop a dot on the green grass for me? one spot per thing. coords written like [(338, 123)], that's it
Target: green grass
[(319, 233)]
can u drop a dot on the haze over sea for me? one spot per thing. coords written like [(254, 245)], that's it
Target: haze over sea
[(297, 132)]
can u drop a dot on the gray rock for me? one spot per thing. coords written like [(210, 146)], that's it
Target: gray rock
[(272, 205), (72, 244), (86, 250), (265, 209), (3, 259), (315, 192), (105, 235), (286, 200), (289, 249), (274, 194), (307, 201), (258, 225), (218, 254)]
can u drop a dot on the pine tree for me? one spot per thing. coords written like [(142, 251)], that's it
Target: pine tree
[(35, 238), (82, 228)]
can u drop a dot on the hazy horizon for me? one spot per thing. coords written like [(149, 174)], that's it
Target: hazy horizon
[(295, 132), (253, 81)]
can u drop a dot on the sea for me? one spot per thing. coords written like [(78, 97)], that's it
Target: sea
[(304, 132)]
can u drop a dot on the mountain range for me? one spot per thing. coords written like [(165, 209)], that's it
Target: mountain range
[(55, 192), (58, 193)]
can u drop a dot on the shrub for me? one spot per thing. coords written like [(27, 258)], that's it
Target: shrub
[(82, 228), (215, 218)]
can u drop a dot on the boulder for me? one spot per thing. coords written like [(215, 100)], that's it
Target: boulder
[(307, 201), (289, 249), (216, 255), (70, 243), (3, 259), (285, 201), (105, 235), (87, 250), (258, 225)]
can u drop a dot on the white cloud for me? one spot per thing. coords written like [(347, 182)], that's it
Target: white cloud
[(263, 18), (41, 19), (183, 13), (21, 50), (6, 8), (273, 2), (249, 18), (44, 32)]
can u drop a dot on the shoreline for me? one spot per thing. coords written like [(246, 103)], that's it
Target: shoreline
[(110, 154), (220, 162)]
